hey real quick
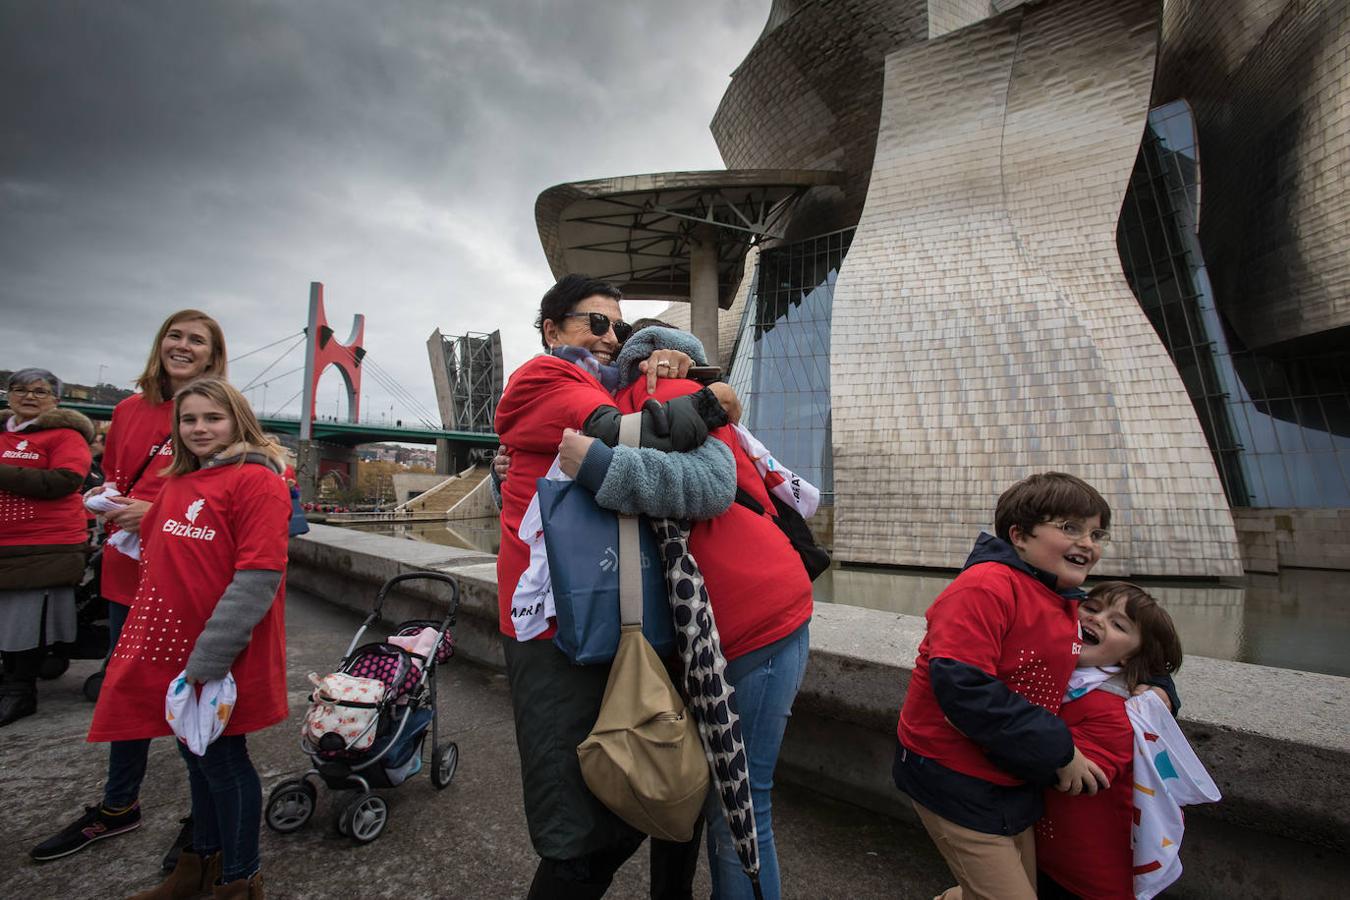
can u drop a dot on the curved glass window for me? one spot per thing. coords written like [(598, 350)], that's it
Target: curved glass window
[(780, 366), (1277, 424)]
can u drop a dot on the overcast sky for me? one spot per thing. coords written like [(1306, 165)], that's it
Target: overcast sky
[(224, 154)]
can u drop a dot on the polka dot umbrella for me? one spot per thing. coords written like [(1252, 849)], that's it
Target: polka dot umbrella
[(711, 697)]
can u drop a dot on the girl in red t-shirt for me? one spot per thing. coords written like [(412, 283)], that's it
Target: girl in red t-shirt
[(1083, 843), (210, 601), (188, 345)]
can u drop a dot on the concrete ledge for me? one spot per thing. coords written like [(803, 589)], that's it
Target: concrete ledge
[(1276, 741)]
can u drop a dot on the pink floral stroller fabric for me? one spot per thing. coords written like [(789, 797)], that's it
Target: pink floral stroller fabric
[(386, 663)]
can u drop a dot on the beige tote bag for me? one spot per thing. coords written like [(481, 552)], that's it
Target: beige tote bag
[(643, 758)]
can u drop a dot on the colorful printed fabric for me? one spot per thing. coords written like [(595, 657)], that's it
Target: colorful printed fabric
[(198, 720), (789, 487), (346, 706), (386, 667), (1167, 776)]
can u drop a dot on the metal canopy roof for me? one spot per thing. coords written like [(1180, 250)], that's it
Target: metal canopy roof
[(636, 230)]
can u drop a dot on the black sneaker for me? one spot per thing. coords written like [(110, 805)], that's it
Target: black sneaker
[(96, 824), (180, 843)]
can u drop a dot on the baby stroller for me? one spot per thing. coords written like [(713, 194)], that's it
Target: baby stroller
[(381, 750)]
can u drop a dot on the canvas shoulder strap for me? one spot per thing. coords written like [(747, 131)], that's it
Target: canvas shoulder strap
[(630, 555)]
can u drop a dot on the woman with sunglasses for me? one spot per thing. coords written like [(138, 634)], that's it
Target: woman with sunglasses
[(44, 535), (188, 345), (567, 389)]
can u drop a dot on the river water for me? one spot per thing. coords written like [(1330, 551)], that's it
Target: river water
[(1299, 619)]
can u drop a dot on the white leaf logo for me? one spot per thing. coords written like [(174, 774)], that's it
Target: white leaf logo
[(194, 508), (23, 445)]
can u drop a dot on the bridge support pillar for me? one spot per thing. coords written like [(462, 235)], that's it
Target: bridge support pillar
[(444, 458), (317, 459), (307, 470)]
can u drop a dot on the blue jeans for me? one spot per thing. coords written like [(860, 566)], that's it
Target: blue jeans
[(764, 698), (226, 805), (126, 759)]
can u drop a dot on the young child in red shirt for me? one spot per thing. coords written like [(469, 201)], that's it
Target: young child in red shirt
[(210, 602), (1083, 843), (979, 735)]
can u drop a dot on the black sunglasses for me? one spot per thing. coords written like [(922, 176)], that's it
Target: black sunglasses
[(601, 323)]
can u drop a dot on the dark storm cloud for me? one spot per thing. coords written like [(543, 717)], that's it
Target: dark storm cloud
[(223, 155)]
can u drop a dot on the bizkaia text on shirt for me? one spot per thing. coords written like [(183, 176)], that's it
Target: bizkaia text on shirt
[(190, 529), (20, 451)]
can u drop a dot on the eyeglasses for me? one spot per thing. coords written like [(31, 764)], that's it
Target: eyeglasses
[(601, 323), (1073, 531), (36, 393)]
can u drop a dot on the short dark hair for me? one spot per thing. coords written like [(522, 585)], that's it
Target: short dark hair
[(563, 297), (1159, 646), (652, 323), (1040, 497)]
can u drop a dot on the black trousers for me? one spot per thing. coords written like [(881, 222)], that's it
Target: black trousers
[(581, 843), (673, 866)]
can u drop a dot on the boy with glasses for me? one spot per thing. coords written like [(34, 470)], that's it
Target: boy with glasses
[(979, 735)]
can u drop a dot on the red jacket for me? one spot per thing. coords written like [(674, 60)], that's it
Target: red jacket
[(758, 587), (138, 431), (1012, 644), (1083, 843), (543, 397)]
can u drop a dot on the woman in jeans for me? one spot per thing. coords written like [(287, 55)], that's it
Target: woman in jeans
[(189, 344), (547, 404), (762, 613)]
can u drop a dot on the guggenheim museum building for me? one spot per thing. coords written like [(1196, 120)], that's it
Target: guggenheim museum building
[(960, 241)]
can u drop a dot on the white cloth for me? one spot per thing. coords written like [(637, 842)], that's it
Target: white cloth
[(199, 720), (126, 542), (791, 488), (1167, 776), (1088, 678), (532, 603)]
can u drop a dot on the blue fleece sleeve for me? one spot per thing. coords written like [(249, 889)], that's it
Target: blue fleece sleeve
[(595, 466), (1025, 740), (699, 484)]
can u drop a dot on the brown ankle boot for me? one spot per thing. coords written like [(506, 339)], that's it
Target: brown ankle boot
[(192, 877), (243, 889)]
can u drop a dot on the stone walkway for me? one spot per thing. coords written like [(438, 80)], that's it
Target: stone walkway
[(468, 841)]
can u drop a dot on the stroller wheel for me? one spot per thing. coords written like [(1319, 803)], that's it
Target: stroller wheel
[(53, 667), (364, 818), (444, 765), (290, 806), (92, 685)]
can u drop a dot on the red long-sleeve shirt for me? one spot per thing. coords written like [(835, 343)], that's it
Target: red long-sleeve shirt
[(1083, 843)]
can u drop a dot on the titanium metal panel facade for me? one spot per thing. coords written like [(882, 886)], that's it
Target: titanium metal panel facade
[(982, 328), (1269, 81), (981, 325)]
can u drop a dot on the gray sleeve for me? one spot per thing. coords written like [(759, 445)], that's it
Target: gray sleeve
[(699, 484), (246, 600)]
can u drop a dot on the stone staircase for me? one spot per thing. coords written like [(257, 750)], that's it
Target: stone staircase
[(439, 499)]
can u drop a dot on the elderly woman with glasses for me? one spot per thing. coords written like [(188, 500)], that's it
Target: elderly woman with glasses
[(44, 458)]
